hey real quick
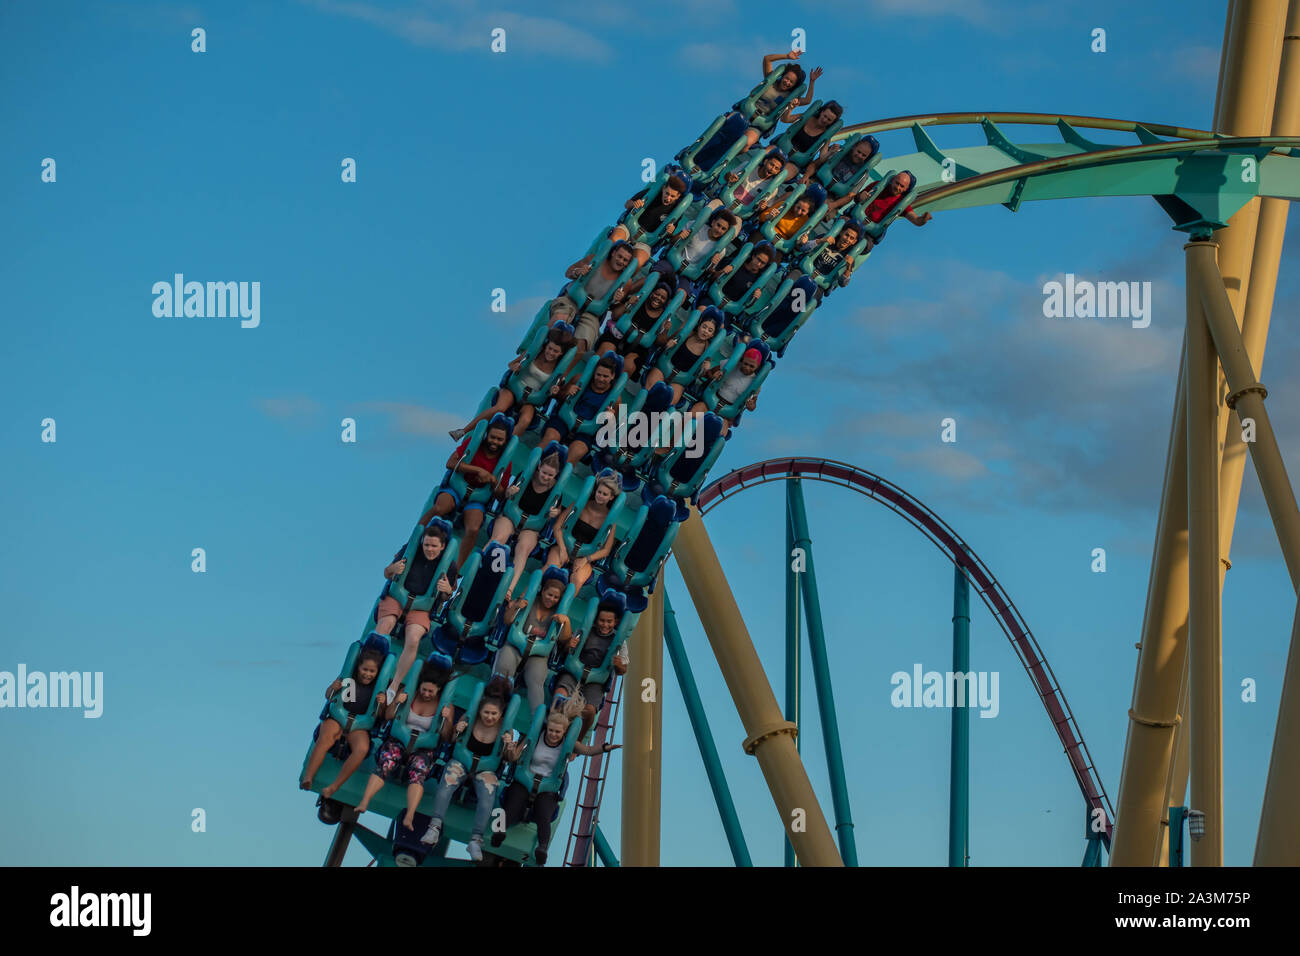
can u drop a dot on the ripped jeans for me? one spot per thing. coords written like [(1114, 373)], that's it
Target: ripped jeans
[(485, 787)]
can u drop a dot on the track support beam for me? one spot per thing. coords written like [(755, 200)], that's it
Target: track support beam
[(771, 736)]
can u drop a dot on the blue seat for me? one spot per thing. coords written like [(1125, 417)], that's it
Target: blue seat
[(767, 122), (638, 560), (571, 544), (553, 780), (715, 291), (513, 381), (396, 588), (729, 410), (600, 673), (686, 377), (782, 316), (576, 290), (630, 217), (471, 616), (704, 159), (456, 481), (337, 710), (744, 166), (859, 252), (839, 189), (816, 196), (567, 411), (694, 269), (876, 230), (511, 508), (785, 140), (630, 336), (410, 738), (631, 453), (527, 645), (681, 476), (490, 762)]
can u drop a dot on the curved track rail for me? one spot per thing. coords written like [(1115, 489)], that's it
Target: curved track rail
[(1199, 168), (956, 550)]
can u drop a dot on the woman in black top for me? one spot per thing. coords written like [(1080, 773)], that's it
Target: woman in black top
[(810, 130), (357, 702), (531, 499), (586, 525), (688, 352)]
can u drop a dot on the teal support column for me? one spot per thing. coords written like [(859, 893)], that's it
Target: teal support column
[(1092, 855), (603, 849), (704, 736), (1176, 830), (959, 772), (822, 675), (792, 654)]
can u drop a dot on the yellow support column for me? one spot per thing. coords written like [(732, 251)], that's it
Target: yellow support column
[(1278, 843), (1262, 282), (1204, 637), (771, 736), (1244, 107), (1154, 714), (642, 719), (1246, 397)]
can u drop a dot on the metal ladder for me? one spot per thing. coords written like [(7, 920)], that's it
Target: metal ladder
[(578, 850)]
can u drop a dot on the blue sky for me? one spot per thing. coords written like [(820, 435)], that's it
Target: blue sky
[(477, 171)]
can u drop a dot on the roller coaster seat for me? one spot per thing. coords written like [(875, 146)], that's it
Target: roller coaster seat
[(473, 763), (856, 251), (601, 673), (744, 166), (811, 192), (734, 307), (536, 522), (776, 325), (876, 230), (567, 411), (629, 455), (575, 548), (556, 780), (731, 409), (630, 218), (693, 270), (767, 122), (825, 174), (633, 337), (471, 616), (455, 482), (785, 140), (576, 290), (350, 722), (680, 476), (637, 561), (396, 589), (704, 159), (526, 645), (687, 376)]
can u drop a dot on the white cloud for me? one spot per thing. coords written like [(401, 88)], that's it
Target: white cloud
[(465, 28), (289, 407), (410, 419)]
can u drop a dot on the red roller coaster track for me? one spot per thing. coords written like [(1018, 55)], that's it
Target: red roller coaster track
[(951, 544)]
